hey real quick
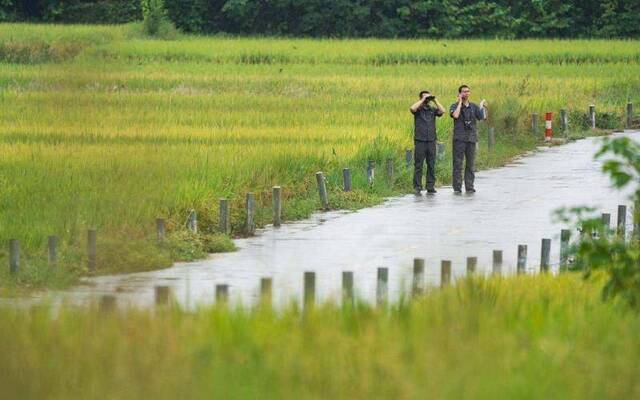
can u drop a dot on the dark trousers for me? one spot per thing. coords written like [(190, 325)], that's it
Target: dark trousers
[(461, 150), (424, 151)]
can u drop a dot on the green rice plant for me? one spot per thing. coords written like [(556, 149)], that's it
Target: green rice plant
[(131, 128), (521, 337)]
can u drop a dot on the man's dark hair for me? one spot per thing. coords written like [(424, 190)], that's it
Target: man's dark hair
[(424, 91), (462, 87)]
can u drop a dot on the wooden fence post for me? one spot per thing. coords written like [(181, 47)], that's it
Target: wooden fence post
[(629, 115), (277, 205), (346, 178), (564, 122), (522, 259), (92, 236), (408, 157), (222, 293), (107, 303), (534, 123), (52, 245), (565, 236), (162, 294), (224, 223), (266, 288), (592, 116), (370, 172), (348, 295), (309, 289), (418, 276), (322, 190), (622, 220), (160, 230), (192, 221), (606, 223), (445, 273), (382, 285), (545, 251), (251, 212), (390, 168), (472, 265), (497, 262)]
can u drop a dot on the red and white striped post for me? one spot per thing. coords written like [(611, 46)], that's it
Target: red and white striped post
[(548, 131)]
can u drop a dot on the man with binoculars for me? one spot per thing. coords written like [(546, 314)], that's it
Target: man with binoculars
[(465, 135), (424, 115)]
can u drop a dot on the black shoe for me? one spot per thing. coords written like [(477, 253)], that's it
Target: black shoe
[(457, 191), (471, 190), (417, 191), (431, 191)]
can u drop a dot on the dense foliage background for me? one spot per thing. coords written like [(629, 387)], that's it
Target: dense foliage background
[(357, 18)]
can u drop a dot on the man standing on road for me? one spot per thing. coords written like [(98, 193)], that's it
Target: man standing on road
[(465, 135), (425, 137)]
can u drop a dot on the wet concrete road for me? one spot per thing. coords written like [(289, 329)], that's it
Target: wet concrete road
[(513, 206)]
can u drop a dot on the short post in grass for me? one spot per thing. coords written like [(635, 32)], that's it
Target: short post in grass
[(222, 293), (521, 266), (322, 190), (14, 256), (107, 303), (622, 221), (309, 295), (277, 205), (545, 252), (565, 236), (606, 223), (223, 222), (348, 296), (592, 116), (440, 150), (445, 273), (346, 179), (160, 230), (266, 289), (534, 124), (564, 122), (92, 238), (418, 277), (52, 247), (162, 294), (491, 140), (408, 157), (629, 115), (472, 265), (192, 221), (497, 262), (382, 285), (371, 167), (250, 204), (390, 168)]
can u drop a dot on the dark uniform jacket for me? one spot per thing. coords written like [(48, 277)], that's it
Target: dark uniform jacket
[(425, 123), (464, 128)]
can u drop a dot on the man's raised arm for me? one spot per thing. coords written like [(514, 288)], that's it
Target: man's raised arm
[(416, 105), (455, 113)]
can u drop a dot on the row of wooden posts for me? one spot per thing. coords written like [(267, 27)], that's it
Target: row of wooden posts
[(163, 293), (224, 206), (564, 120)]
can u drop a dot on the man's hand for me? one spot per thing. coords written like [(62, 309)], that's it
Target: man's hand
[(459, 97)]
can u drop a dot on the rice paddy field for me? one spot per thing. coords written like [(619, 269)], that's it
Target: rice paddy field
[(526, 337), (102, 128)]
